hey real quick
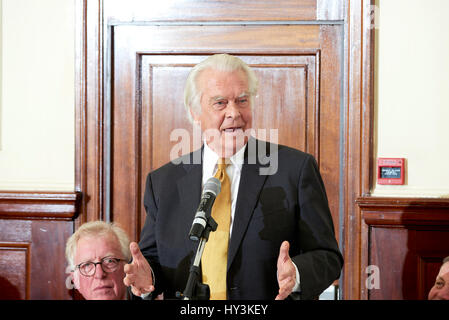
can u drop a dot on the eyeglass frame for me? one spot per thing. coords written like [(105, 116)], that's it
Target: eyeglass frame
[(118, 260)]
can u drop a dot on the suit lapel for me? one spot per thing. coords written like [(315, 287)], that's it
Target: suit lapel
[(189, 188), (251, 183)]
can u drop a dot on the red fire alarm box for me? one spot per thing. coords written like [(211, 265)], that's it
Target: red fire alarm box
[(391, 171)]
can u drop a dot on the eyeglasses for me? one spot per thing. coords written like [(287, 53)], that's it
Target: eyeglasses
[(108, 265)]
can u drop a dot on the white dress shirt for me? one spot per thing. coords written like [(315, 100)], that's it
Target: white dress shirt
[(234, 169)]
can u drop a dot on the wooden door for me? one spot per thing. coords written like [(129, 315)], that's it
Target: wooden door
[(300, 72)]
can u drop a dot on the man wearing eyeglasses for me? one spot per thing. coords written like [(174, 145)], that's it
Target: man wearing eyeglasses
[(97, 253)]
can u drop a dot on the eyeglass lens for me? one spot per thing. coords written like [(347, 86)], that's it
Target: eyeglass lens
[(107, 265)]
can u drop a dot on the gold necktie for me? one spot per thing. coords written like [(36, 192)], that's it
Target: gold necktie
[(215, 256)]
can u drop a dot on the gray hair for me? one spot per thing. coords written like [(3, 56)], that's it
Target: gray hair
[(221, 62), (97, 229)]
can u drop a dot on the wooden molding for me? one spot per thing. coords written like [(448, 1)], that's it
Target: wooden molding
[(358, 133), (39, 205), (404, 211)]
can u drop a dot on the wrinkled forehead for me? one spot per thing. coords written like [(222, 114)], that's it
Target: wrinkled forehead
[(94, 248), (444, 270), (222, 78)]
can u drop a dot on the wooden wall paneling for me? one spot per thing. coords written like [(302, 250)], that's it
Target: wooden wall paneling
[(428, 268), (407, 239), (329, 139), (223, 10), (81, 118), (34, 227), (14, 270), (388, 251), (89, 138), (48, 263), (357, 132)]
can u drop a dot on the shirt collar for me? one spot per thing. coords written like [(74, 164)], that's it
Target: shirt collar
[(210, 158)]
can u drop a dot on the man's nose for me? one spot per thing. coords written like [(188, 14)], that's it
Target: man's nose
[(99, 273), (444, 293), (232, 110)]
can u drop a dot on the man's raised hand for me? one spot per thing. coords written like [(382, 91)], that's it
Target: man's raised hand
[(138, 272)]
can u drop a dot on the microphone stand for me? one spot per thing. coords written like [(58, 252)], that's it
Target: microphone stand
[(195, 290)]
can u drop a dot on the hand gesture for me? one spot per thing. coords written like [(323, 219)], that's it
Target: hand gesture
[(286, 272), (138, 272)]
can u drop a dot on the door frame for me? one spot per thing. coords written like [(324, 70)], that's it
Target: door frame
[(357, 125)]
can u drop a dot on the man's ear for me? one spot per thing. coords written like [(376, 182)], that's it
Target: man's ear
[(195, 117), (75, 279)]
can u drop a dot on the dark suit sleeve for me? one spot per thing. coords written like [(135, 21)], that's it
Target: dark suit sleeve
[(320, 261), (147, 242)]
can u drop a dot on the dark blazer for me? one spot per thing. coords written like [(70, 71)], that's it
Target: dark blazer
[(290, 204)]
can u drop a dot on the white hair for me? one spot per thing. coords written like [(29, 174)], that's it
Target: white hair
[(221, 62), (97, 229)]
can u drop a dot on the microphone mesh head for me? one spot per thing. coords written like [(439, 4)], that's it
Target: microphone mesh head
[(212, 185)]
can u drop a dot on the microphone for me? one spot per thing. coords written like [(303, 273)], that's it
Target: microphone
[(211, 189)]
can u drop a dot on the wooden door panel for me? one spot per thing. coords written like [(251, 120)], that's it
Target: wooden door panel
[(406, 239), (164, 120), (197, 38), (32, 260), (14, 271), (34, 228), (289, 108), (286, 98), (150, 65), (329, 118)]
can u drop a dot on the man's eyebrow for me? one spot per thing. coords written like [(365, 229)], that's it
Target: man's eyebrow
[(216, 98), (242, 95), (107, 255)]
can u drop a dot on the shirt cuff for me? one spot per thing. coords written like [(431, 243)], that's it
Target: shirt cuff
[(297, 287), (145, 295)]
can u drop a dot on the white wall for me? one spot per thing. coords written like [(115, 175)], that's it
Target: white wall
[(37, 103), (413, 94), (1, 68)]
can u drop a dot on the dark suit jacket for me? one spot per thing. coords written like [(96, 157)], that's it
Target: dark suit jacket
[(288, 205)]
